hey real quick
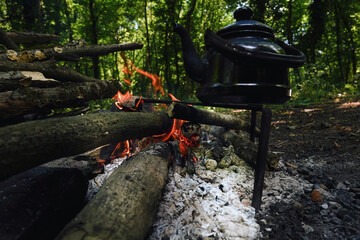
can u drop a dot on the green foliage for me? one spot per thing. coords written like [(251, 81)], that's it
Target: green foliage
[(327, 31)]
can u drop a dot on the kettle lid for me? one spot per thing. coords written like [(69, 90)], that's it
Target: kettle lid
[(244, 26)]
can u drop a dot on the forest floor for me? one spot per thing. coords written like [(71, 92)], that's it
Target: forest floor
[(319, 145)]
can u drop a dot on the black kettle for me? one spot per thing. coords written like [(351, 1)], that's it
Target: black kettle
[(244, 63)]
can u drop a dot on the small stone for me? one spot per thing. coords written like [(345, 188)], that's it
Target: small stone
[(307, 228), (316, 196), (324, 212), (325, 206), (324, 187), (211, 164)]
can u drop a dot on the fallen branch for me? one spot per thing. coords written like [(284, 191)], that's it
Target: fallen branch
[(29, 144), (72, 53), (49, 69), (28, 100), (189, 113), (31, 37), (127, 203)]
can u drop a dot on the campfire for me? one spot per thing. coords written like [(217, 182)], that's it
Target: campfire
[(132, 146)]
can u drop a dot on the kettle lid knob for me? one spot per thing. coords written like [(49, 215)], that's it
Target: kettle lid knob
[(243, 13)]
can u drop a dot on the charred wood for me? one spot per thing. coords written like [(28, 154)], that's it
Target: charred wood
[(70, 53), (31, 37), (37, 204), (127, 203), (189, 113), (48, 68), (30, 99), (29, 144)]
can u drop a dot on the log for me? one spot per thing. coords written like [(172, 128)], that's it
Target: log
[(189, 113), (49, 69), (28, 100), (8, 42), (126, 205), (31, 37), (38, 203), (248, 150), (72, 53), (29, 144), (13, 80)]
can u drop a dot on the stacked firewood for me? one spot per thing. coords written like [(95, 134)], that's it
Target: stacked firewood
[(32, 82)]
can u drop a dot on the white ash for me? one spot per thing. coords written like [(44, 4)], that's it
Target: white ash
[(96, 183), (208, 204)]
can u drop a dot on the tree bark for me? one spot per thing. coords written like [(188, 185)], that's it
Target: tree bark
[(38, 203), (31, 37), (94, 39), (30, 99), (189, 113), (28, 144), (49, 69), (126, 205)]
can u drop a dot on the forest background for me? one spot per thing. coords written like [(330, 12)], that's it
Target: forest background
[(327, 31)]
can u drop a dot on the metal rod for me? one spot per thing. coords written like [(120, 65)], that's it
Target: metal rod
[(261, 158), (257, 107), (253, 125)]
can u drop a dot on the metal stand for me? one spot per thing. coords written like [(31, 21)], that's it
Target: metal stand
[(261, 157)]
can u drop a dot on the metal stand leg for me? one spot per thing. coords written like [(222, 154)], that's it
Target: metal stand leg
[(261, 158), (253, 125)]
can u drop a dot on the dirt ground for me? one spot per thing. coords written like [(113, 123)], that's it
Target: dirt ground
[(331, 131), (319, 145)]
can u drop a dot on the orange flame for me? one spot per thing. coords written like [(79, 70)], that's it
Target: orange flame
[(155, 80)]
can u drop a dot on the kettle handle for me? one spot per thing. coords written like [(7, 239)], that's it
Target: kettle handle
[(292, 58)]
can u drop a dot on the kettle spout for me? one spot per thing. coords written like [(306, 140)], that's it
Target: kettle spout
[(195, 66)]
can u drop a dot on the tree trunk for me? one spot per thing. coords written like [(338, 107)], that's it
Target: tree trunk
[(38, 203), (94, 40), (148, 64), (68, 21), (26, 145), (338, 42), (126, 205), (289, 22), (30, 99)]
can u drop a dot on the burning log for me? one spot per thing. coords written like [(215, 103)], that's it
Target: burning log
[(28, 100), (71, 53), (26, 145), (127, 203), (189, 113), (37, 204), (49, 69)]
